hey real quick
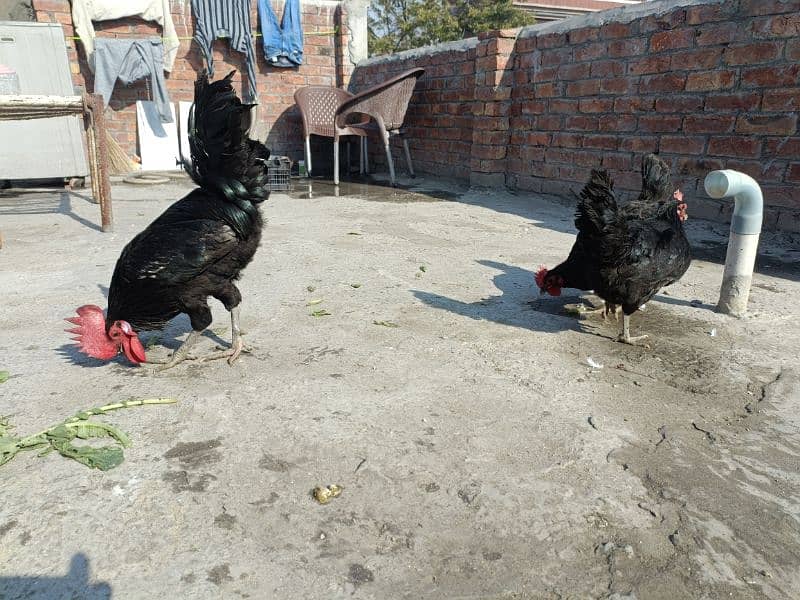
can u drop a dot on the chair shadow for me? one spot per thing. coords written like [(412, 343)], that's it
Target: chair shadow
[(75, 584), (40, 202)]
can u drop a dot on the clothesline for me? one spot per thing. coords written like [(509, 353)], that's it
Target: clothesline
[(191, 37)]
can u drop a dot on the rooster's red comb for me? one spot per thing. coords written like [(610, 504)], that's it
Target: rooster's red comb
[(90, 332)]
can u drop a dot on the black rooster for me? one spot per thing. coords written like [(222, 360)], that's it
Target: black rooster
[(197, 248), (580, 269), (636, 256)]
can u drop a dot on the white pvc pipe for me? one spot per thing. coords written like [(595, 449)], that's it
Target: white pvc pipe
[(740, 259)]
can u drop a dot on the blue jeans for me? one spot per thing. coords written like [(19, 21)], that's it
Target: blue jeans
[(284, 40)]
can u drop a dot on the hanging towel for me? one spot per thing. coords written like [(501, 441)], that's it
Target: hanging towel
[(283, 45), (230, 19), (130, 60), (86, 11)]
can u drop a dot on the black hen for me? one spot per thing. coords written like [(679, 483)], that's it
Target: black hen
[(198, 247), (637, 256), (580, 269)]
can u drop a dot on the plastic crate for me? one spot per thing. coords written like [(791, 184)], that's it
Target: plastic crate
[(278, 173)]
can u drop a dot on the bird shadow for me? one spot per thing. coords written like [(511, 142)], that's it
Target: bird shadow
[(681, 302), (77, 583), (517, 305)]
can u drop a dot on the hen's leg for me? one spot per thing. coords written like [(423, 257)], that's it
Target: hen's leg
[(605, 310), (625, 336), (237, 344)]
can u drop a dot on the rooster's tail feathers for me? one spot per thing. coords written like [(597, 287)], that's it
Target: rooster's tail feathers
[(224, 158), (597, 207)]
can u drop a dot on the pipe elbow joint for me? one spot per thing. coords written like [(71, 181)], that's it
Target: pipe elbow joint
[(748, 211)]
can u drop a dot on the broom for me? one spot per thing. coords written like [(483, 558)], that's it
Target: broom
[(118, 161)]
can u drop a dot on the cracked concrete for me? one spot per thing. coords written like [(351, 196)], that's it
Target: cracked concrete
[(481, 456)]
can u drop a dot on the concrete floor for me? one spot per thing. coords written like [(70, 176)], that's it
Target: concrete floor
[(481, 456)]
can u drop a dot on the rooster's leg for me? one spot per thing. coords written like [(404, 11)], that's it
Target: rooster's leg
[(237, 345), (605, 310), (180, 354), (625, 336)]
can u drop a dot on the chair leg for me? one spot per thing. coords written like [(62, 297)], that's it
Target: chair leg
[(388, 149), (408, 157), (336, 162), (348, 157), (364, 141), (308, 154), (360, 155)]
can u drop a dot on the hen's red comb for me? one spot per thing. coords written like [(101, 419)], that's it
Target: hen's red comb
[(90, 332), (540, 275)]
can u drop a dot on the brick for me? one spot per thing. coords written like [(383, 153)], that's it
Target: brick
[(793, 49), (702, 14), (634, 104), (533, 153), (618, 85), (574, 71), (547, 90), (649, 64), (672, 40), (777, 26), (545, 74), (580, 36), (556, 57), (783, 76), (722, 33), (558, 105), (618, 123), (782, 100), (581, 123), (488, 152), (738, 146), (682, 144), (793, 173), (704, 81), (52, 5), (551, 40), (704, 123), (548, 122), (591, 51), (667, 82), (536, 138), (772, 170), (695, 60), (566, 140), (751, 54), (596, 105), (639, 144), (601, 142), (588, 87), (611, 31), (616, 162), (699, 167), (737, 102), (533, 107), (767, 7), (659, 123), (767, 124), (663, 22), (679, 104), (607, 68), (630, 47)]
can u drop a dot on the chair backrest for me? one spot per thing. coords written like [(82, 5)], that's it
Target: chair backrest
[(318, 106), (388, 99)]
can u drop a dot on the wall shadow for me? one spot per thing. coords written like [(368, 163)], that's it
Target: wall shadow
[(75, 584)]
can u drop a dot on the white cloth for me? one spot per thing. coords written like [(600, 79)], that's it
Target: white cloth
[(86, 11)]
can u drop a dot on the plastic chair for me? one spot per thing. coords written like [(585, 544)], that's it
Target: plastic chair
[(386, 104), (319, 107)]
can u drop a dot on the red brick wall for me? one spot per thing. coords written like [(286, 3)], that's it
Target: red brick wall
[(715, 84), (324, 64)]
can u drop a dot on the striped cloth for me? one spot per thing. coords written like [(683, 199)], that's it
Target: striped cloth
[(229, 19)]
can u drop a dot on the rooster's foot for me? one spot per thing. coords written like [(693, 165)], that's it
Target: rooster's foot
[(633, 341)]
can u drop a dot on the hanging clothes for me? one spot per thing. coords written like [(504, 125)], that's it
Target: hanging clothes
[(230, 19), (86, 11), (283, 44), (130, 60)]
